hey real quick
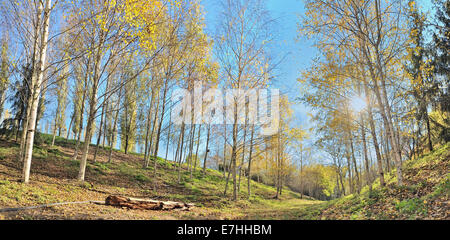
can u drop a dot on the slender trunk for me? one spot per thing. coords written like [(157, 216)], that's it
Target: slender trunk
[(70, 127), (366, 157), (250, 162), (147, 161), (80, 127), (158, 132), (175, 159), (198, 145), (92, 111), (342, 183), (358, 179), (168, 137), (350, 179), (105, 125), (387, 153), (207, 148), (277, 159), (227, 179), (112, 139), (99, 137), (243, 153), (127, 129), (55, 127), (191, 146), (157, 141), (147, 131), (224, 151), (427, 119), (181, 151), (234, 152)]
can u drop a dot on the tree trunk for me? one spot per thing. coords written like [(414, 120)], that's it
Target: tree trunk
[(70, 127), (366, 157), (358, 179), (36, 56), (250, 162), (147, 131), (92, 111), (55, 127), (112, 140), (168, 137), (81, 125), (196, 152), (183, 125), (36, 92), (158, 132), (207, 149), (427, 119), (99, 137), (224, 151), (234, 152), (147, 161)]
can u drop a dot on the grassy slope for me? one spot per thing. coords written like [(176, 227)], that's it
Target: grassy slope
[(52, 181), (425, 194)]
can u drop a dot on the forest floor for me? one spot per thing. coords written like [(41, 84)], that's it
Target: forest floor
[(425, 194), (54, 172)]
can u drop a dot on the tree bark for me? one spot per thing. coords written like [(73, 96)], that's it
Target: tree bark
[(36, 90), (249, 178), (207, 148)]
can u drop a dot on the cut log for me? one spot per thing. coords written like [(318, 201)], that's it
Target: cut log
[(145, 204)]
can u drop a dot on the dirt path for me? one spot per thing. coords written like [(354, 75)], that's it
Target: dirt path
[(293, 209)]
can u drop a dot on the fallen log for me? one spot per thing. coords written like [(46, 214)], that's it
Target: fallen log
[(145, 204)]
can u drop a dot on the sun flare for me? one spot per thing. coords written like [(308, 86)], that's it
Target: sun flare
[(358, 103)]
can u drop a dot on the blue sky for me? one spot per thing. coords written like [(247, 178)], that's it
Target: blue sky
[(297, 54)]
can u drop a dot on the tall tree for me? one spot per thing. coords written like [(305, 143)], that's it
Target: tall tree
[(4, 73)]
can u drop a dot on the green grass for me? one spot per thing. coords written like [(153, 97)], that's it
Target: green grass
[(411, 206), (14, 192), (204, 189)]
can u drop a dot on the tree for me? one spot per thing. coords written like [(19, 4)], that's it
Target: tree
[(4, 73), (61, 97), (116, 26), (370, 28), (418, 70), (39, 62), (441, 59), (242, 42), (129, 112)]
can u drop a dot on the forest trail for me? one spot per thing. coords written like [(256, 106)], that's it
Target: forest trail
[(282, 210)]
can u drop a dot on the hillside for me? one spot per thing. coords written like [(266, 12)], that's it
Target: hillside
[(425, 194), (53, 174)]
